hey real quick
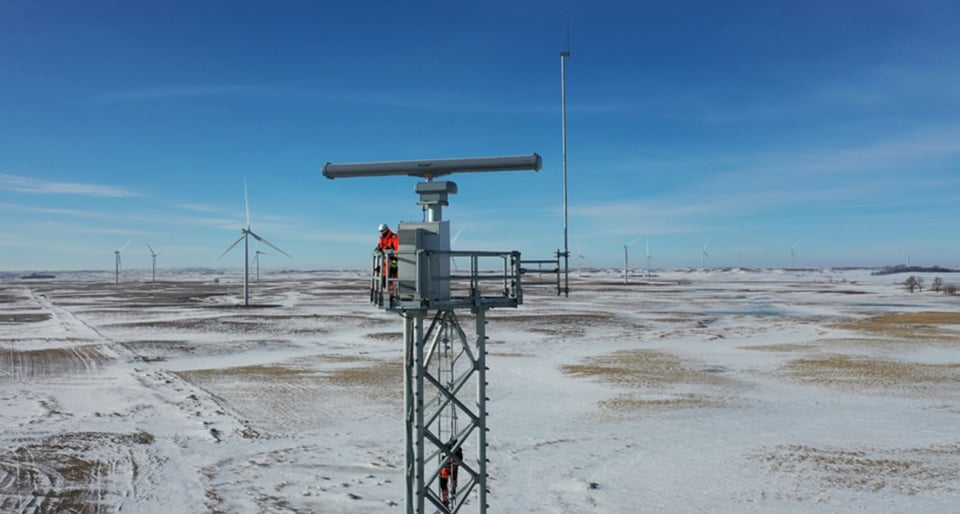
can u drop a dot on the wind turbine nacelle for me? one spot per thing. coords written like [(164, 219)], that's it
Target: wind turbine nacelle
[(433, 168)]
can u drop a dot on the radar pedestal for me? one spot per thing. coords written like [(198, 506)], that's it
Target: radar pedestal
[(445, 380)]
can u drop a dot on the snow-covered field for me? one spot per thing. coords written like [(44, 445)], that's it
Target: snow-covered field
[(775, 391)]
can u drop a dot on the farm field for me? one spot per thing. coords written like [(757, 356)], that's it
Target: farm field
[(717, 391)]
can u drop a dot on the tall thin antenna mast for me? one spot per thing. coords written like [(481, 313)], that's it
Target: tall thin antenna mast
[(563, 99)]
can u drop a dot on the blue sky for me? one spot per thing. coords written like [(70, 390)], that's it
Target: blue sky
[(749, 127)]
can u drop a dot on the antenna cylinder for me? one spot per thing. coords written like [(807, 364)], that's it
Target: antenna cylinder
[(433, 168)]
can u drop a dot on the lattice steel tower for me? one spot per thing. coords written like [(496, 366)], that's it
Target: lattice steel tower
[(444, 374)]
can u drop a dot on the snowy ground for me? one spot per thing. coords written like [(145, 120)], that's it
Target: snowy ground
[(729, 391)]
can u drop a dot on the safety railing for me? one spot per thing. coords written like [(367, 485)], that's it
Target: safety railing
[(541, 267), (426, 280)]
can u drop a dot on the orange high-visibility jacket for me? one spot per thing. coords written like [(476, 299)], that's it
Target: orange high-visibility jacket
[(389, 241)]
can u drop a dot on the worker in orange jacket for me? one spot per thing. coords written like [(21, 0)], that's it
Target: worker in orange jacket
[(389, 241), (448, 474)]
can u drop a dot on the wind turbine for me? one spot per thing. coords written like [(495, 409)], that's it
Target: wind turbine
[(626, 259), (154, 255), (649, 258), (116, 254), (244, 233), (256, 261), (704, 255), (580, 259), (793, 255)]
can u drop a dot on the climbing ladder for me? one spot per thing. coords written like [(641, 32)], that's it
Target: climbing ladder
[(450, 366)]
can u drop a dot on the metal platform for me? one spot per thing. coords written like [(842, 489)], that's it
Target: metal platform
[(492, 279)]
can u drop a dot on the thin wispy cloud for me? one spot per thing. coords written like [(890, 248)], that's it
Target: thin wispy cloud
[(30, 185), (880, 155), (174, 92), (196, 207), (50, 210), (413, 99)]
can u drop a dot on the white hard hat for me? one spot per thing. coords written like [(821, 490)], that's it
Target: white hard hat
[(382, 227)]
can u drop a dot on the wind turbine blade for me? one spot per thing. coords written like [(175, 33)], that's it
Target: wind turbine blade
[(153, 253), (124, 247), (454, 239), (635, 241), (231, 246), (268, 243), (246, 202)]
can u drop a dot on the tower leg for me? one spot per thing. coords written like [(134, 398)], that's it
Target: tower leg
[(481, 369), (413, 409)]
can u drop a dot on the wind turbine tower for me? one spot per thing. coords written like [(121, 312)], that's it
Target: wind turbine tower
[(256, 261), (649, 258), (117, 265), (153, 255), (793, 255), (626, 259), (245, 234), (704, 255)]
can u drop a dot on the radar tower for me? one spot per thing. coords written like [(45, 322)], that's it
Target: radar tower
[(446, 430)]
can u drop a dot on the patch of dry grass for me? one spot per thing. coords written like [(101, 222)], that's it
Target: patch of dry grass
[(375, 380), (625, 403), (926, 318), (910, 326), (57, 473), (643, 368), (905, 471), (378, 375), (25, 317), (385, 336), (257, 372), (845, 371), (52, 362), (782, 347), (556, 325), (650, 370)]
